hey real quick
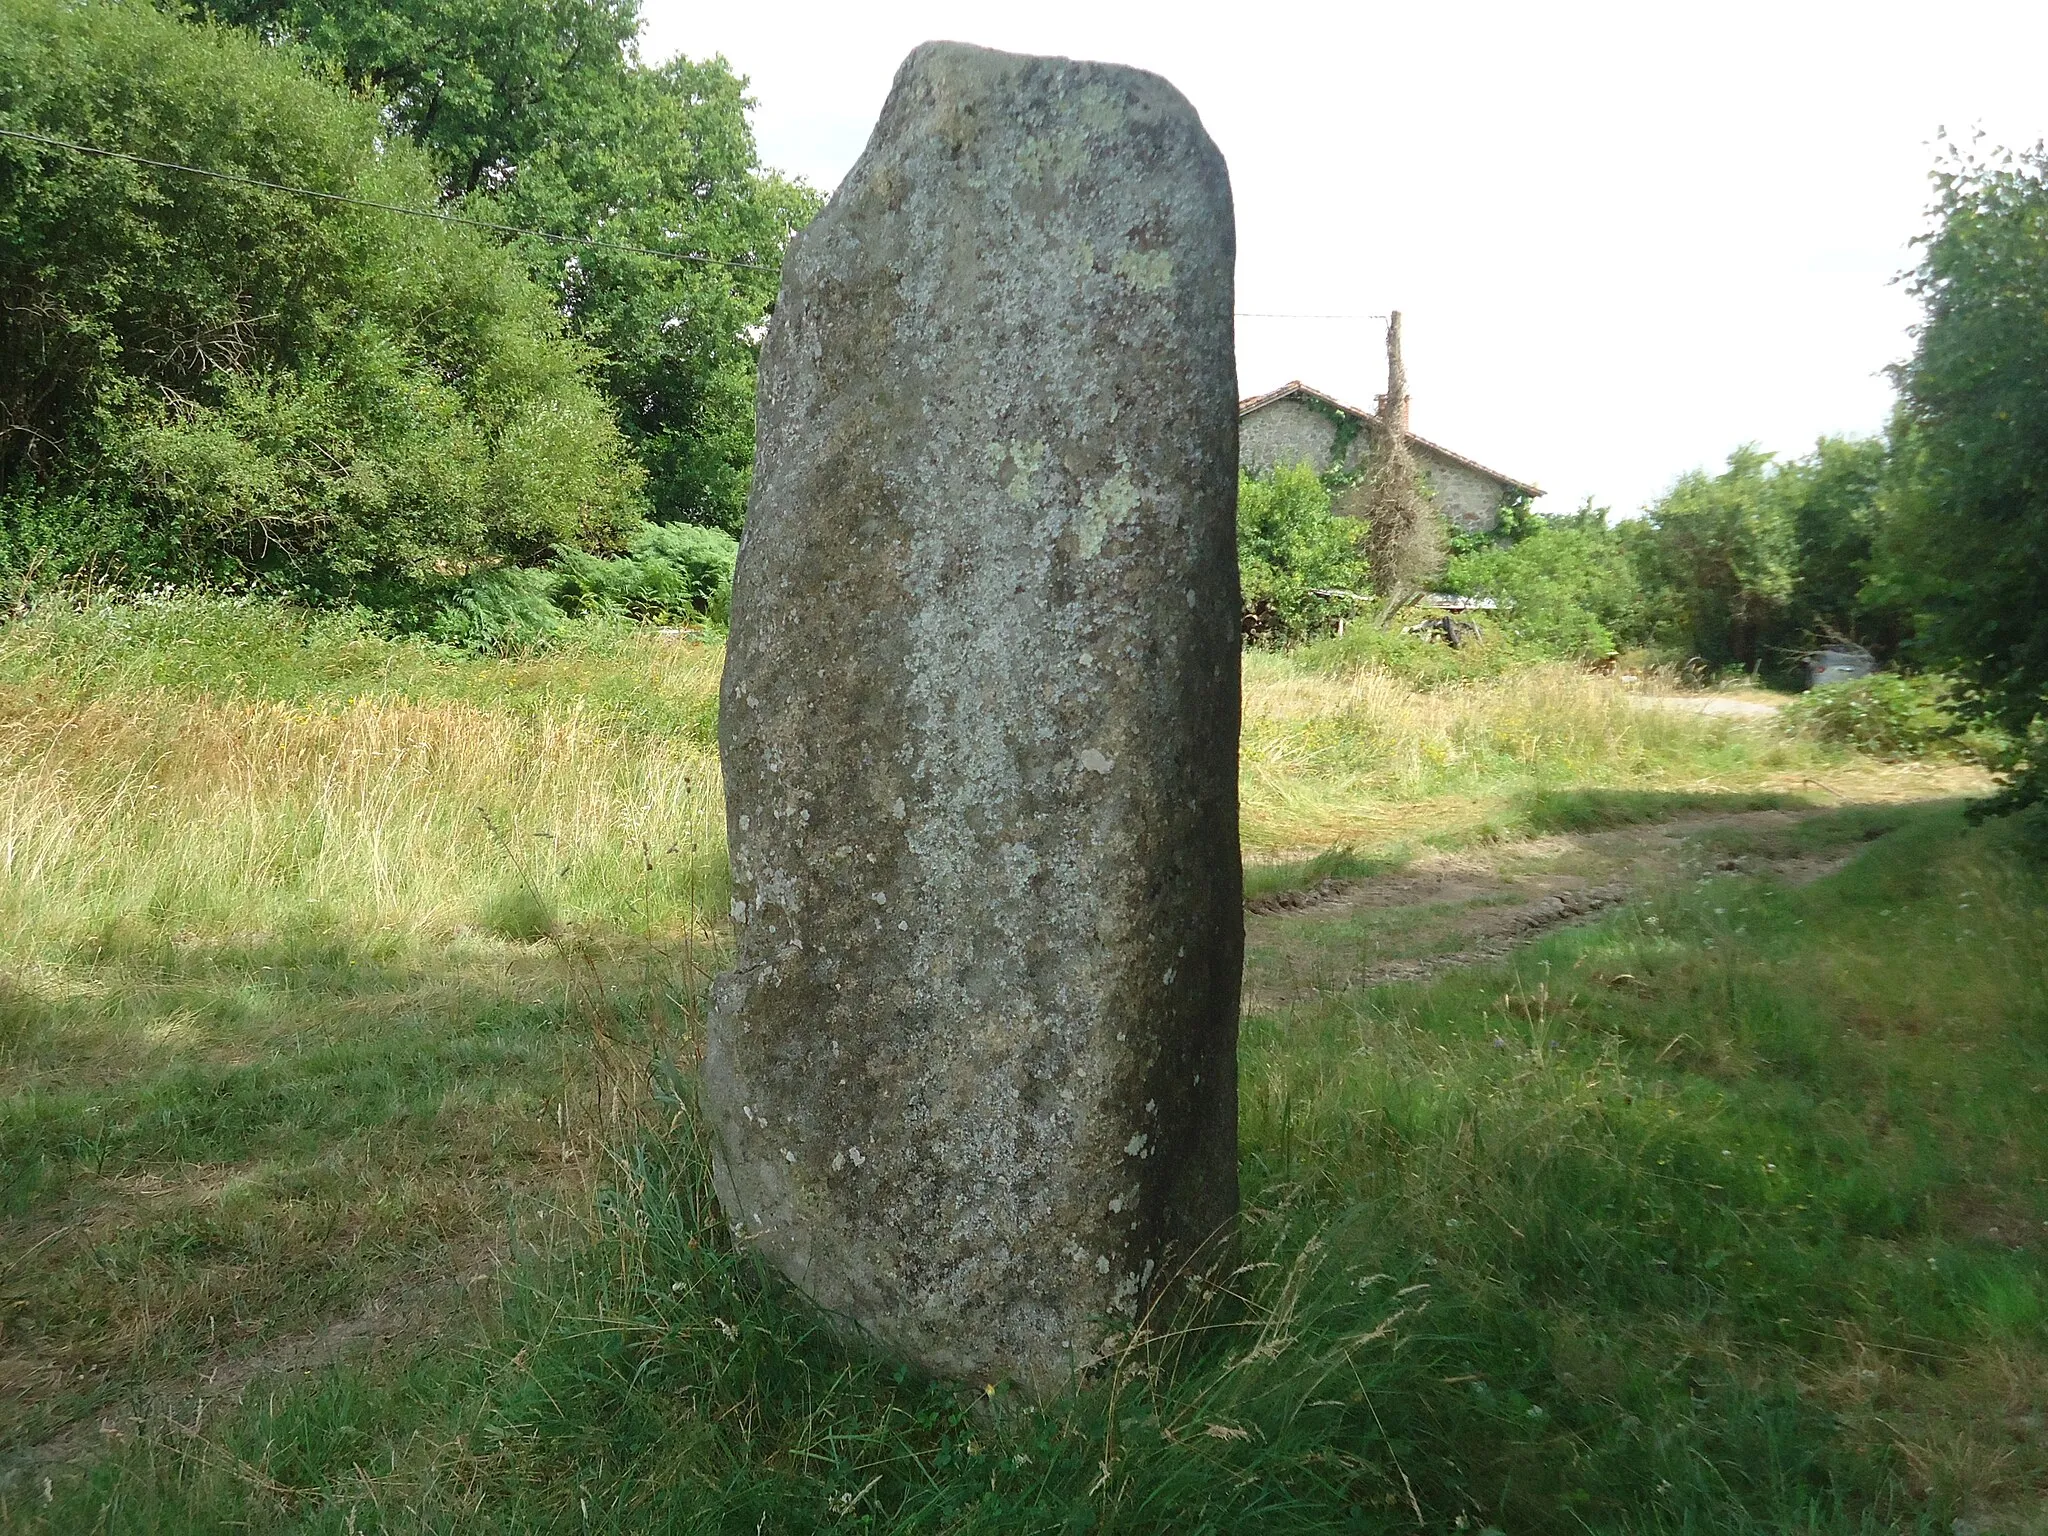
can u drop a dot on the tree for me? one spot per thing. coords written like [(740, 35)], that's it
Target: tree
[(1405, 536), (480, 84), (539, 113), (1717, 556), (1967, 541), (1833, 495), (1755, 566), (1570, 580), (204, 380), (678, 338), (1290, 546)]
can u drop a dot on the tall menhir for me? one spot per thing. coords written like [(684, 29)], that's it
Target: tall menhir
[(973, 1078)]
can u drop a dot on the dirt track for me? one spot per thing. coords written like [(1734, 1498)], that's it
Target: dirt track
[(1725, 706), (1453, 909)]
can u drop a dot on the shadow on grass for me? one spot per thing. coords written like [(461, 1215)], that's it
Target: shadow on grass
[(1534, 814), (1345, 863), (1512, 1258), (205, 1145), (1595, 810)]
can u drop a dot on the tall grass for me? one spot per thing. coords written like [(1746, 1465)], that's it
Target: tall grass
[(1333, 756), (330, 956), (277, 1027), (128, 798), (204, 767), (205, 816)]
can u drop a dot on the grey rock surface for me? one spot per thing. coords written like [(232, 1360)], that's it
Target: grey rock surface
[(972, 1080)]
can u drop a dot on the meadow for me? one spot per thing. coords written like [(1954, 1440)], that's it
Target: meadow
[(348, 1177)]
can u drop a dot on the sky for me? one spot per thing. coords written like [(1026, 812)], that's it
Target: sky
[(1625, 239)]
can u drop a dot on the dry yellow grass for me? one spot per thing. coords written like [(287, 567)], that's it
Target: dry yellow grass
[(1365, 757), (225, 815), (193, 810), (200, 813)]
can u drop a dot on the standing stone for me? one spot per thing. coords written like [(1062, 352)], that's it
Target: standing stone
[(973, 1077)]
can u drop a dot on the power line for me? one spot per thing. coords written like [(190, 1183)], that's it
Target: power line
[(1243, 314), (364, 202)]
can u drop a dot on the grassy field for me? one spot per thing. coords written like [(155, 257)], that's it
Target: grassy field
[(347, 1178)]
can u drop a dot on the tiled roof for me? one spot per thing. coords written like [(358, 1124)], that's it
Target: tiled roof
[(1295, 388)]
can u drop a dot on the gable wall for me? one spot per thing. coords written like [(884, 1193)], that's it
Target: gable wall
[(1286, 432), (1469, 501), (1290, 431)]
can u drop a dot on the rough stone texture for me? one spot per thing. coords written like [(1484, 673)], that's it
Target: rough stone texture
[(973, 1077)]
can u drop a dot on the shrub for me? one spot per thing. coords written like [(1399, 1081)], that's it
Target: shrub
[(1883, 714), (501, 612), (214, 383), (1571, 584), (669, 571), (1289, 545)]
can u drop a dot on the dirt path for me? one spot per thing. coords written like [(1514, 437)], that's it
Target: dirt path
[(418, 1311), (1454, 909), (1727, 706)]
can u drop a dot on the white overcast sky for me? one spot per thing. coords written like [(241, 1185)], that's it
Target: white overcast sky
[(1625, 238)]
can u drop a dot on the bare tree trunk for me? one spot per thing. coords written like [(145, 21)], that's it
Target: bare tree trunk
[(1404, 536), (1394, 403)]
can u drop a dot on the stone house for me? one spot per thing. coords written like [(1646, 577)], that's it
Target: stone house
[(1298, 425)]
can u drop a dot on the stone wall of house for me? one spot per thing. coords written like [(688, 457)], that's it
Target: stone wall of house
[(1292, 431), (1469, 501), (1289, 431)]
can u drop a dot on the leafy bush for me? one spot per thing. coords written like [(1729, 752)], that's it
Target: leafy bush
[(1884, 714), (543, 112), (2022, 765), (503, 612), (669, 571), (1745, 569), (1289, 543), (216, 383), (1570, 579)]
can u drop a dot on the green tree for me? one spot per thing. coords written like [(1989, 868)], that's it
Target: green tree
[(1571, 581), (1718, 557), (206, 380), (1967, 541), (1834, 496), (1756, 565), (678, 338), (482, 85), (1290, 546), (540, 113)]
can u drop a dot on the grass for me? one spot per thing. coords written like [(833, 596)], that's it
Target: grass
[(1365, 757), (1722, 1213), (277, 1026)]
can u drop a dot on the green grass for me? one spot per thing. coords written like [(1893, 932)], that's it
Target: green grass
[(1344, 863), (249, 650), (287, 1018), (1594, 810), (1723, 1213)]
